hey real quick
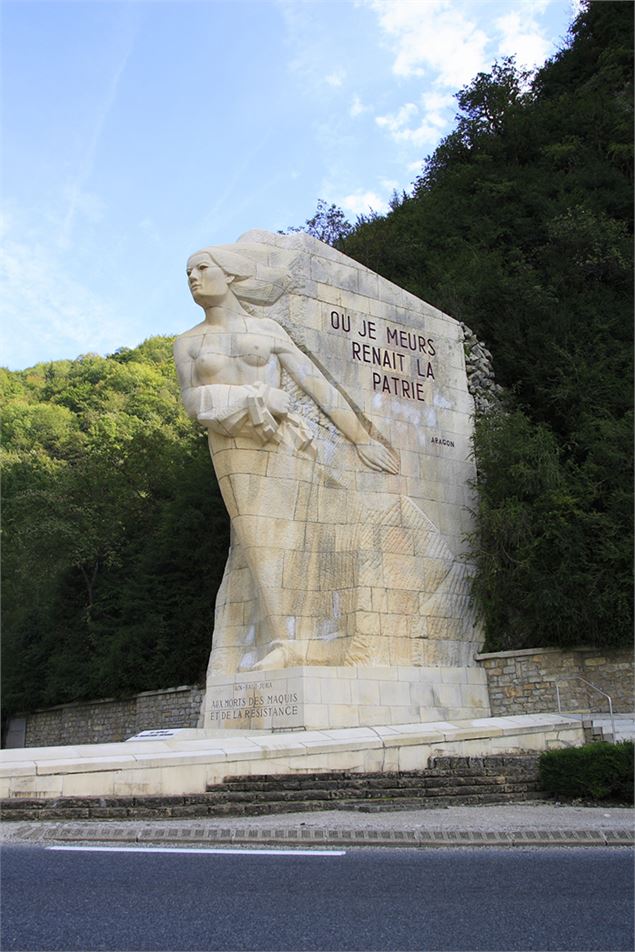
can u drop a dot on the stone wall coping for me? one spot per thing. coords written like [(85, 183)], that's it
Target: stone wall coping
[(181, 687), (216, 746), (109, 700), (525, 652)]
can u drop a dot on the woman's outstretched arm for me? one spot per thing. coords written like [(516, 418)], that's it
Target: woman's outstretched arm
[(310, 379)]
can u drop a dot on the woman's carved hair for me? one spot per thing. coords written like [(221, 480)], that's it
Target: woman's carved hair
[(254, 282)]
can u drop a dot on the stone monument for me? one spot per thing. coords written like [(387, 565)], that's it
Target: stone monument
[(339, 425)]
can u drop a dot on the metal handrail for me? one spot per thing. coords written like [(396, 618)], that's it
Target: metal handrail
[(577, 677)]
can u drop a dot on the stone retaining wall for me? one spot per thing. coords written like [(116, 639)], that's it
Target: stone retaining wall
[(523, 682), (519, 682), (99, 722)]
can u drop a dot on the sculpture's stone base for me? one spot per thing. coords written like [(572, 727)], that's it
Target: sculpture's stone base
[(320, 698), (156, 763)]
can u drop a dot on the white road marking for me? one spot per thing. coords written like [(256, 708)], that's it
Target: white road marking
[(180, 849)]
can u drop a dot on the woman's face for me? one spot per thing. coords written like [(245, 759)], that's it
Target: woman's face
[(208, 283)]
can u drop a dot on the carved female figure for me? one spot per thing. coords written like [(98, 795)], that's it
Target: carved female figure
[(281, 600)]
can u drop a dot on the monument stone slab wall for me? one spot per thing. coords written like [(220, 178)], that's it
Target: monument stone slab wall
[(340, 427)]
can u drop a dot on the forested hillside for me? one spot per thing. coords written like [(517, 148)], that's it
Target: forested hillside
[(520, 225), (115, 533)]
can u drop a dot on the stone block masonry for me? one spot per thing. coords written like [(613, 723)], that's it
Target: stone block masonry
[(447, 781), (339, 423), (523, 682), (519, 682), (108, 721)]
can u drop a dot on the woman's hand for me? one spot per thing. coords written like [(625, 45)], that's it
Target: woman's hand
[(378, 457), (277, 402)]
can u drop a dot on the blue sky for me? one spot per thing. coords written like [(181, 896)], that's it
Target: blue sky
[(136, 132)]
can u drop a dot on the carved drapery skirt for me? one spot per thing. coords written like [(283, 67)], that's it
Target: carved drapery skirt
[(316, 574)]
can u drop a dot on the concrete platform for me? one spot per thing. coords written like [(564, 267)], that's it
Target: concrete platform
[(187, 761), (624, 725)]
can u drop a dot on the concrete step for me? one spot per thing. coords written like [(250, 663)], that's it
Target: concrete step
[(501, 785), (624, 726), (59, 810), (449, 780), (433, 778)]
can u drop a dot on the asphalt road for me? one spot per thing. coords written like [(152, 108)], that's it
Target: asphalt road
[(533, 899)]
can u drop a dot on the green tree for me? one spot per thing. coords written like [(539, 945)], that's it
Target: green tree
[(328, 224), (115, 534)]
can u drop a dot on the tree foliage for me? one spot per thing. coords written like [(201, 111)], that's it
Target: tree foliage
[(328, 224), (520, 225), (115, 535)]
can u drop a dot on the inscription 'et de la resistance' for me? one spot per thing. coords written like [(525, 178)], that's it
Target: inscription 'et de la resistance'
[(254, 706), (411, 360)]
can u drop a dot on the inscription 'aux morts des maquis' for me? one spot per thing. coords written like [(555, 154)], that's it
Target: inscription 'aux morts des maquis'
[(411, 359), (259, 705)]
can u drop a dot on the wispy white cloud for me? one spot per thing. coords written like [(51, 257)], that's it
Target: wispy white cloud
[(77, 191), (432, 37), (419, 125), (357, 108), (312, 40), (227, 203), (396, 122), (521, 36), (361, 203), (87, 205), (336, 78), (57, 313), (447, 42), (433, 102)]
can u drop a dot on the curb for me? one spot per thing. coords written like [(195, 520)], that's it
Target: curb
[(199, 836)]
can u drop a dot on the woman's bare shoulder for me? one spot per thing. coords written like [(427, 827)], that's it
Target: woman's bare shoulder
[(183, 342), (192, 332), (266, 325)]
